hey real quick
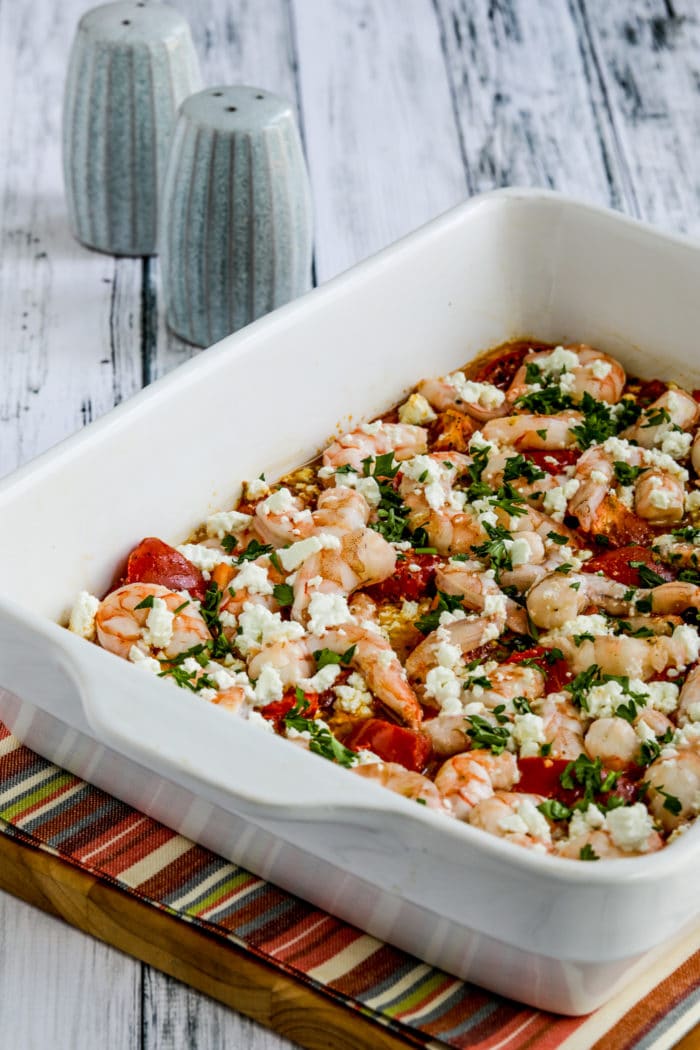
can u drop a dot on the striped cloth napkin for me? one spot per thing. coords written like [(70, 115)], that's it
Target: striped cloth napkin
[(64, 816)]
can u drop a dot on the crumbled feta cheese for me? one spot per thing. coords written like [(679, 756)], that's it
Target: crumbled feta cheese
[(259, 628), (484, 512), (486, 395), (158, 631), (146, 663), (268, 687), (603, 700), (416, 410), (661, 499), (619, 449), (528, 733), (424, 470), (630, 827), (448, 655), (367, 758), (82, 617), (594, 624), (663, 696), (372, 428), (520, 552), (204, 558), (599, 477), (409, 610), (328, 610), (280, 502), (625, 494), (477, 443), (559, 360), (556, 499), (296, 734), (294, 556), (435, 495), (693, 712), (354, 698), (583, 821), (676, 444), (252, 578), (495, 605), (446, 617), (687, 637), (228, 619), (535, 822), (692, 502), (367, 487), (225, 522), (256, 720), (322, 680), (599, 368), (256, 489), (443, 685)]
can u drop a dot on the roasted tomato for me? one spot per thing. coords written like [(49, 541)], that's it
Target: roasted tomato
[(557, 672), (500, 367), (540, 776), (618, 566), (554, 460), (392, 743), (407, 581), (649, 390), (279, 708), (620, 526), (452, 431), (155, 562)]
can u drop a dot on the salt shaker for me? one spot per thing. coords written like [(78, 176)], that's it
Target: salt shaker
[(236, 217), (131, 65)]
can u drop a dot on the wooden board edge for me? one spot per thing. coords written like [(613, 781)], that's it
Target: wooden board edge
[(188, 953)]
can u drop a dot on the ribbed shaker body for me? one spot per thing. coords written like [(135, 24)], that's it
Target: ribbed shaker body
[(130, 67), (236, 221)]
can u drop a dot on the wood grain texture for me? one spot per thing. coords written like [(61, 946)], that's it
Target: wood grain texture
[(381, 141), (188, 954), (52, 291)]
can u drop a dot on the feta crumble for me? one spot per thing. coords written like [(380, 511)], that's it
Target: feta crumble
[(416, 410), (82, 617)]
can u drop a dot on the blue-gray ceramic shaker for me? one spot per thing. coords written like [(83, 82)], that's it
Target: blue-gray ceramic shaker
[(236, 219), (131, 65)]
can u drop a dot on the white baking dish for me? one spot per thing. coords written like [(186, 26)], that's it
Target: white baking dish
[(557, 934)]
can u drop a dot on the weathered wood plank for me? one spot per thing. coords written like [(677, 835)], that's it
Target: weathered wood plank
[(70, 335), (61, 989), (530, 108), (647, 56), (250, 43), (381, 140)]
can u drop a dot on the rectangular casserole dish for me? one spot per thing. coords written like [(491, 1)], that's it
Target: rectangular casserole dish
[(559, 935)]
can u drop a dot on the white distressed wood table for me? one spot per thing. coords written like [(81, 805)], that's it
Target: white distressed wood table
[(406, 108)]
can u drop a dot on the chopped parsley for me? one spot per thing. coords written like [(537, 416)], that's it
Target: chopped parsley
[(324, 657), (552, 809), (283, 594), (494, 549), (322, 742), (522, 705), (254, 550), (626, 474), (147, 603), (587, 774), (588, 853), (671, 803), (600, 422), (655, 417), (521, 467), (483, 734), (647, 575), (391, 514), (446, 603), (555, 537)]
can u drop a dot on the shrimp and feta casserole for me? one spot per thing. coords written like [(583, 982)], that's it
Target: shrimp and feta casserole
[(486, 601)]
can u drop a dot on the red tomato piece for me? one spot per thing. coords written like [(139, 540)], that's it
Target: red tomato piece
[(392, 743), (555, 460), (540, 776), (156, 562), (557, 674), (617, 565), (407, 581), (650, 390), (279, 708)]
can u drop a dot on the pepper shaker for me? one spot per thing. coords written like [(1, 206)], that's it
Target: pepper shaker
[(131, 65), (236, 218)]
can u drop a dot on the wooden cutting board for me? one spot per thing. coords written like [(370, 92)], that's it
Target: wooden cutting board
[(201, 960)]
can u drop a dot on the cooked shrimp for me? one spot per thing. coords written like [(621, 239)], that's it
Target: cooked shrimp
[(465, 635), (675, 408), (448, 734), (375, 439), (381, 667), (529, 431), (679, 778), (593, 372), (635, 657), (394, 777), (467, 779), (695, 453), (478, 588), (600, 842), (281, 519), (479, 400), (291, 658), (614, 742), (595, 472), (232, 699), (340, 510), (364, 558), (254, 582), (513, 816), (170, 624), (689, 699), (562, 726)]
